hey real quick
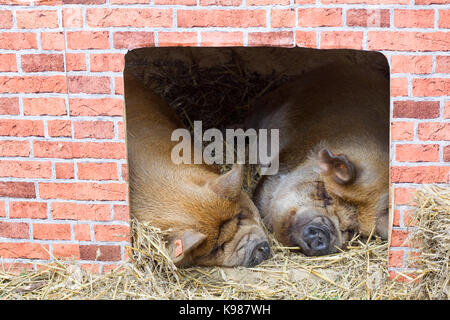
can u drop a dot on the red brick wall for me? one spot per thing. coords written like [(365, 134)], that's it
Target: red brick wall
[(63, 189)]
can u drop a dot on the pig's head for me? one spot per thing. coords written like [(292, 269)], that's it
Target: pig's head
[(222, 225), (328, 198)]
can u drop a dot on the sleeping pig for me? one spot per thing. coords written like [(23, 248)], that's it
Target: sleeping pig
[(333, 155), (209, 219)]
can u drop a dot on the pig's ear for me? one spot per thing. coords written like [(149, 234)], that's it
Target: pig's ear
[(336, 166), (229, 185), (182, 243)]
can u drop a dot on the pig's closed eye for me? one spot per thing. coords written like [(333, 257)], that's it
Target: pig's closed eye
[(239, 217)]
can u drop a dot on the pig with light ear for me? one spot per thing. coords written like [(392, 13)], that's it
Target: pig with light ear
[(333, 154), (210, 221)]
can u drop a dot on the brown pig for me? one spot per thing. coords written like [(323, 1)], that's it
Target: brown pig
[(209, 219), (333, 156)]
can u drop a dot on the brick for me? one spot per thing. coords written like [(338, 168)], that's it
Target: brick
[(129, 17), (18, 41), (304, 1), (111, 233), (266, 2), (6, 19), (378, 18), (69, 251), (51, 231), (118, 86), (9, 106), (168, 39), (396, 219), (97, 171), (25, 169), (444, 19), (82, 232), (52, 41), (433, 131), (305, 39), (80, 211), (273, 39), (84, 2), (396, 259), (14, 148), (407, 18), (25, 250), (8, 63), (14, 230), (101, 62), (447, 110), (64, 170), (28, 210), (33, 84), (204, 2), (443, 64), (422, 174), (125, 172), (36, 19), (121, 212), (96, 107), (431, 1), (120, 130), (85, 40), (399, 238), (404, 196), (93, 268), (17, 267), (341, 39), (404, 277), (93, 129), (89, 84), (59, 128), (83, 191), (221, 18), (447, 153), (21, 128), (106, 268), (76, 150), (417, 153), (407, 41), (72, 17), (44, 106), (430, 87), (282, 18), (416, 109), (42, 62), (216, 39), (365, 2), (130, 2), (107, 253), (48, 2), (402, 131), (399, 87), (53, 149), (318, 17), (408, 219), (132, 40), (75, 61), (411, 64)]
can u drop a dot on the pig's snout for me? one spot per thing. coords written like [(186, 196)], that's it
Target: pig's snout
[(259, 253), (314, 233), (317, 238)]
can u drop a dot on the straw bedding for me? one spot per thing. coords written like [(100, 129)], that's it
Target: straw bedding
[(358, 272)]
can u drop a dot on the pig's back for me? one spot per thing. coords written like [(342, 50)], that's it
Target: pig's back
[(332, 103)]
